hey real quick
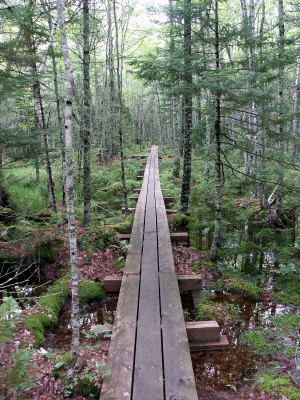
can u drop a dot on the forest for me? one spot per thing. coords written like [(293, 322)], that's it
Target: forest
[(87, 86)]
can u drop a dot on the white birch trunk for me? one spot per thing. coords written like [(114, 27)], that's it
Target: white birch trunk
[(69, 182)]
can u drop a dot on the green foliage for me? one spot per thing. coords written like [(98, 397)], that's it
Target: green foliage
[(125, 226), (223, 313), (97, 238), (259, 342), (247, 289), (288, 324), (8, 310), (179, 221), (51, 304), (120, 263), (288, 293), (15, 375), (278, 386), (44, 249), (89, 290)]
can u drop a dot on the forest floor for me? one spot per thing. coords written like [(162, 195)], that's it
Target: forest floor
[(93, 353)]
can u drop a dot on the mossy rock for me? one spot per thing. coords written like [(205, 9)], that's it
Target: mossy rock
[(247, 289), (89, 290), (125, 226), (51, 304), (179, 221), (223, 313)]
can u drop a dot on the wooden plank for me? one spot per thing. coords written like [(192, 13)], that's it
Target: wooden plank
[(222, 344), (179, 376), (139, 177), (203, 331), (189, 282), (168, 199), (112, 283), (185, 282), (122, 346), (175, 237), (136, 190), (148, 371)]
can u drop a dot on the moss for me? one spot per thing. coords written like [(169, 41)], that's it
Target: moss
[(247, 289), (89, 290), (207, 310), (51, 304), (289, 290), (44, 250), (278, 386), (96, 239), (125, 226), (179, 221)]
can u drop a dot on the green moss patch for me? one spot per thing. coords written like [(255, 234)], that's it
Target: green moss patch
[(89, 290), (247, 289), (50, 306), (223, 313), (125, 226), (278, 386), (96, 239), (289, 290), (179, 221)]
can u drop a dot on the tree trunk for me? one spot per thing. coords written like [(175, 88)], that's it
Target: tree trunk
[(295, 147), (119, 80), (86, 116), (218, 163), (280, 177), (69, 182), (176, 133), (187, 110)]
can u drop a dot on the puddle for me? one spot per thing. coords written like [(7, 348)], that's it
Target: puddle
[(92, 314)]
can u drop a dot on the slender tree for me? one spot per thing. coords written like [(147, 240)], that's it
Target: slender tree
[(86, 116), (69, 180)]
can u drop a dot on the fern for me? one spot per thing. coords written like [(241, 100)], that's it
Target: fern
[(16, 378)]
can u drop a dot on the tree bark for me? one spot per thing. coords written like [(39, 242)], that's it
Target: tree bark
[(218, 163), (86, 116), (69, 182), (187, 110)]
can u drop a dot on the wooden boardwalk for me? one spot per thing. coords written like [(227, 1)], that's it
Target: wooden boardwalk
[(149, 355)]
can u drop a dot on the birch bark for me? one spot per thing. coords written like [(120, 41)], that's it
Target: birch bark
[(69, 181)]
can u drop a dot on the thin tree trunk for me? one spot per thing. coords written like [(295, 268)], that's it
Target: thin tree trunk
[(69, 182), (295, 147), (119, 80), (280, 177), (187, 110), (86, 116), (218, 163)]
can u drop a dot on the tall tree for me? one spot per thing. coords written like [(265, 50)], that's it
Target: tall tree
[(69, 185), (187, 108), (86, 116)]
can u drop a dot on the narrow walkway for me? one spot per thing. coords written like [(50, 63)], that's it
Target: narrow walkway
[(149, 356)]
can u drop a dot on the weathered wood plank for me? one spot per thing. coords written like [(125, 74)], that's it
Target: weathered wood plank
[(185, 282), (148, 372), (222, 344), (189, 282), (203, 331), (175, 237), (178, 370), (122, 346)]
